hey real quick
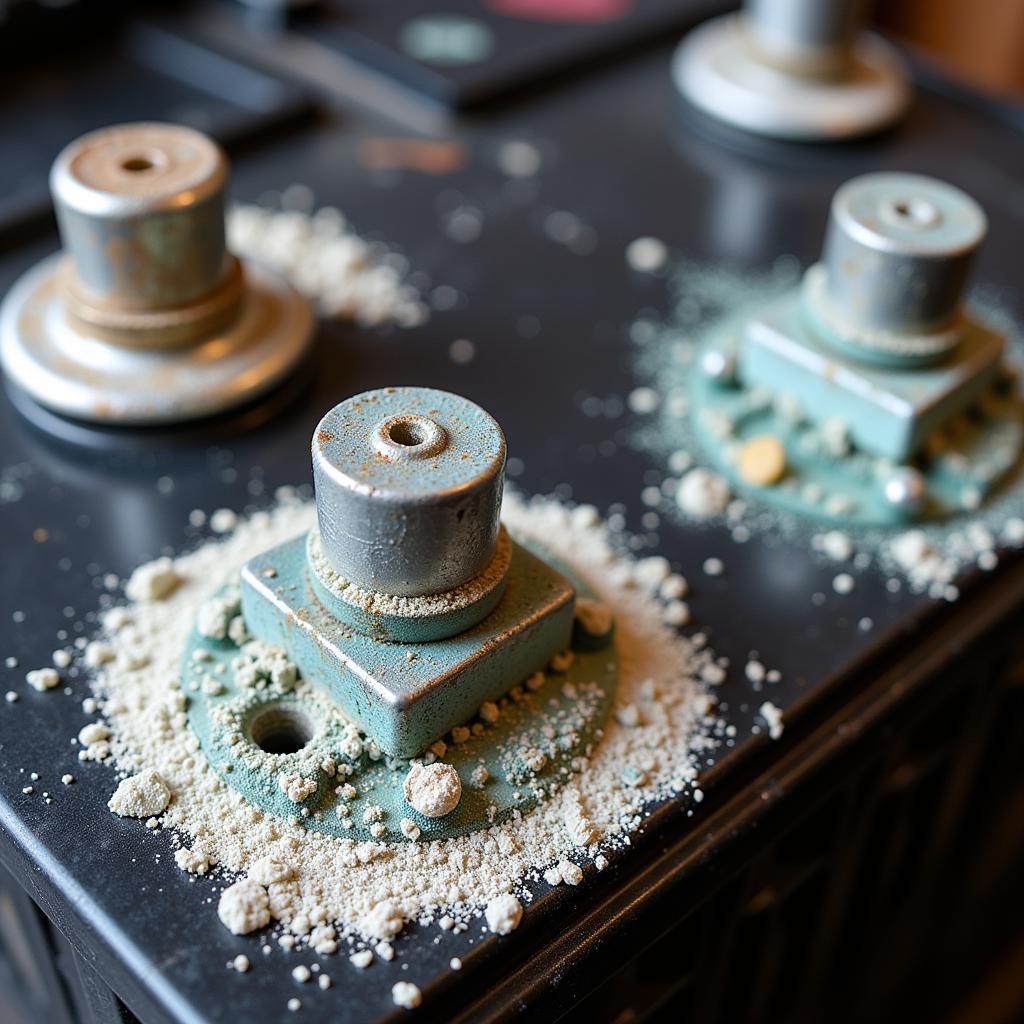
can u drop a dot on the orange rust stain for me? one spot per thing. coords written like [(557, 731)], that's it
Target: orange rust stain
[(324, 436), (424, 155)]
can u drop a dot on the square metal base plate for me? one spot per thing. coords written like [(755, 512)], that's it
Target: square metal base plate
[(405, 696), (888, 412)]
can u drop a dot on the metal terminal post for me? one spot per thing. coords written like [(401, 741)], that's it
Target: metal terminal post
[(408, 487), (889, 393), (409, 550), (877, 336), (896, 259), (146, 317), (409, 484), (794, 69)]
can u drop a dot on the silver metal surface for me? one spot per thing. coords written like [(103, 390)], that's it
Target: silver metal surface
[(906, 491), (805, 36), (146, 317), (897, 254), (408, 487), (78, 374), (782, 70), (141, 214)]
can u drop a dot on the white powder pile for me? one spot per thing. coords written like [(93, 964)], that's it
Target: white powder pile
[(42, 679), (244, 907), (503, 914), (141, 796), (406, 995), (346, 276), (152, 581), (327, 892)]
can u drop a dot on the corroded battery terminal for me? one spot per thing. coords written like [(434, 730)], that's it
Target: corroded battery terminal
[(409, 550), (146, 317), (892, 397)]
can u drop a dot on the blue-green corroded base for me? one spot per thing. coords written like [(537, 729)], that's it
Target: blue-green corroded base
[(539, 740), (889, 411), (967, 457), (404, 696)]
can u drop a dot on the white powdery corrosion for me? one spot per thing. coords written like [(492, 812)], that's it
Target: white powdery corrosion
[(319, 879), (348, 277)]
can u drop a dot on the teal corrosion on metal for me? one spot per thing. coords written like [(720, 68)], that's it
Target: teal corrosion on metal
[(405, 696), (889, 412), (891, 397), (409, 624), (286, 744), (964, 459)]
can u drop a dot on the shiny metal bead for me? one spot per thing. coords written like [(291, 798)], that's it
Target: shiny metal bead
[(408, 489), (905, 491), (719, 367), (146, 317)]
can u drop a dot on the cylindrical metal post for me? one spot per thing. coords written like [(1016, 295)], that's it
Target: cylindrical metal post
[(804, 36), (897, 255), (793, 69), (408, 489), (141, 214), (145, 316)]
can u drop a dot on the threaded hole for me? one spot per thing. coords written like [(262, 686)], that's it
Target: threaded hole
[(281, 730)]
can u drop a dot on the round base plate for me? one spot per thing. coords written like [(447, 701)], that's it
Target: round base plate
[(88, 378), (506, 766), (717, 71)]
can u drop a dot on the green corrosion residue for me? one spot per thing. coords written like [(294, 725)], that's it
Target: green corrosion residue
[(285, 746)]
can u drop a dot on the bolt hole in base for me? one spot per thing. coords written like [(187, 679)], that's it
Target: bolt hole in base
[(280, 730)]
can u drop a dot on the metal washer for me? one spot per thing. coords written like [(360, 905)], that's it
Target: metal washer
[(80, 375), (718, 72)]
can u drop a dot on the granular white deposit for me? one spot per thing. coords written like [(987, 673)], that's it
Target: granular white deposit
[(503, 914), (348, 277), (328, 892), (141, 796)]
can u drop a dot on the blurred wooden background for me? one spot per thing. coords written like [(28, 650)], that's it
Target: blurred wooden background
[(981, 41)]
